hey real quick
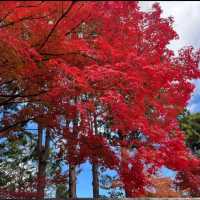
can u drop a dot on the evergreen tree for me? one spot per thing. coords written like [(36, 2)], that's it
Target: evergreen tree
[(190, 124)]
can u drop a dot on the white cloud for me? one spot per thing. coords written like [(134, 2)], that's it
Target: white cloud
[(186, 20), (194, 103)]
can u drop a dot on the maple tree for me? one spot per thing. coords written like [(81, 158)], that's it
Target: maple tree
[(104, 82), (162, 187)]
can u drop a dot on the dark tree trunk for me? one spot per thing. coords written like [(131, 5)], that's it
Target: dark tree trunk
[(72, 181), (95, 180), (95, 174), (123, 159), (72, 166), (42, 160), (41, 178)]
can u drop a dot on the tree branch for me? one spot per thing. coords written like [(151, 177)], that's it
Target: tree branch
[(15, 124), (22, 19), (56, 24)]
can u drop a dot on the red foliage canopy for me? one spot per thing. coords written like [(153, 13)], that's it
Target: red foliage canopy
[(105, 65)]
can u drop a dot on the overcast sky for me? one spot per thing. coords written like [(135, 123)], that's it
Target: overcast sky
[(186, 16)]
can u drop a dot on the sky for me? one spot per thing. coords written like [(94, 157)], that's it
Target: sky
[(187, 24)]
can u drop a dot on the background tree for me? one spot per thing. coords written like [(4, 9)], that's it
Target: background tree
[(190, 124), (61, 191), (189, 180), (162, 187), (17, 164)]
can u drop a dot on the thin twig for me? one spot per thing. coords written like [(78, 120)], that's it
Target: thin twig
[(56, 24)]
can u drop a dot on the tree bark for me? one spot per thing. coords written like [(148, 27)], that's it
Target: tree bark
[(72, 181), (72, 167), (95, 180), (123, 160), (43, 154), (41, 179), (95, 174)]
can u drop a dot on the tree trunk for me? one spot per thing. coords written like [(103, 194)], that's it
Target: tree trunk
[(95, 174), (42, 160), (72, 167), (123, 160), (72, 181), (95, 180), (41, 178)]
